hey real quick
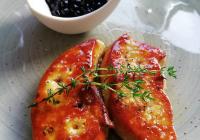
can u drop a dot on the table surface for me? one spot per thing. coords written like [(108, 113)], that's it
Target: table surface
[(27, 48)]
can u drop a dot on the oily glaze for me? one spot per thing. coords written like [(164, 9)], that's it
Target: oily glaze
[(79, 115), (134, 118)]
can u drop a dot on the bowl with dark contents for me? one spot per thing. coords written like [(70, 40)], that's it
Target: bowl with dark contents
[(72, 16)]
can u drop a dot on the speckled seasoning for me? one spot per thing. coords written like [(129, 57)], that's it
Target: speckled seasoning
[(135, 118), (79, 115)]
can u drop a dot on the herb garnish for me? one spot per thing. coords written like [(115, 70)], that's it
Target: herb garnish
[(171, 71), (91, 77)]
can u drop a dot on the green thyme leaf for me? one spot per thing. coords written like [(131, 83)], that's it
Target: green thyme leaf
[(146, 96), (95, 74), (138, 81), (73, 83), (49, 92), (139, 69), (152, 72), (61, 84), (104, 86), (33, 105), (121, 93), (110, 67), (136, 94), (171, 71), (83, 69), (126, 77), (67, 90), (50, 97)]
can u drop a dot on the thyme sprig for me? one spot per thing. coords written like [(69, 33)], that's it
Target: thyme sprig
[(171, 71), (92, 77)]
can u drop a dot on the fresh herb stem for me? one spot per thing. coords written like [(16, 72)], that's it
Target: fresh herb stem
[(134, 86)]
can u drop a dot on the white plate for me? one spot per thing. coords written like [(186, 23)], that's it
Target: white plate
[(27, 48)]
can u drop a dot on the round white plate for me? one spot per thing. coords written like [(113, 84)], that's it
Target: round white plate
[(27, 48)]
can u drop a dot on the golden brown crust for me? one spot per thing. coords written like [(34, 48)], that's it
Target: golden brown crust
[(79, 115), (134, 118)]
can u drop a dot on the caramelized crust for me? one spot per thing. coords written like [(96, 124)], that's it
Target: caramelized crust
[(134, 118), (78, 115)]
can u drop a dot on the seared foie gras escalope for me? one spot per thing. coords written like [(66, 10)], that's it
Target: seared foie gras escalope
[(138, 118), (79, 114), (69, 105)]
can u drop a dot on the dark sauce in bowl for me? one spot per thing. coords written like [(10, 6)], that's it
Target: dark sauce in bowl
[(73, 8)]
